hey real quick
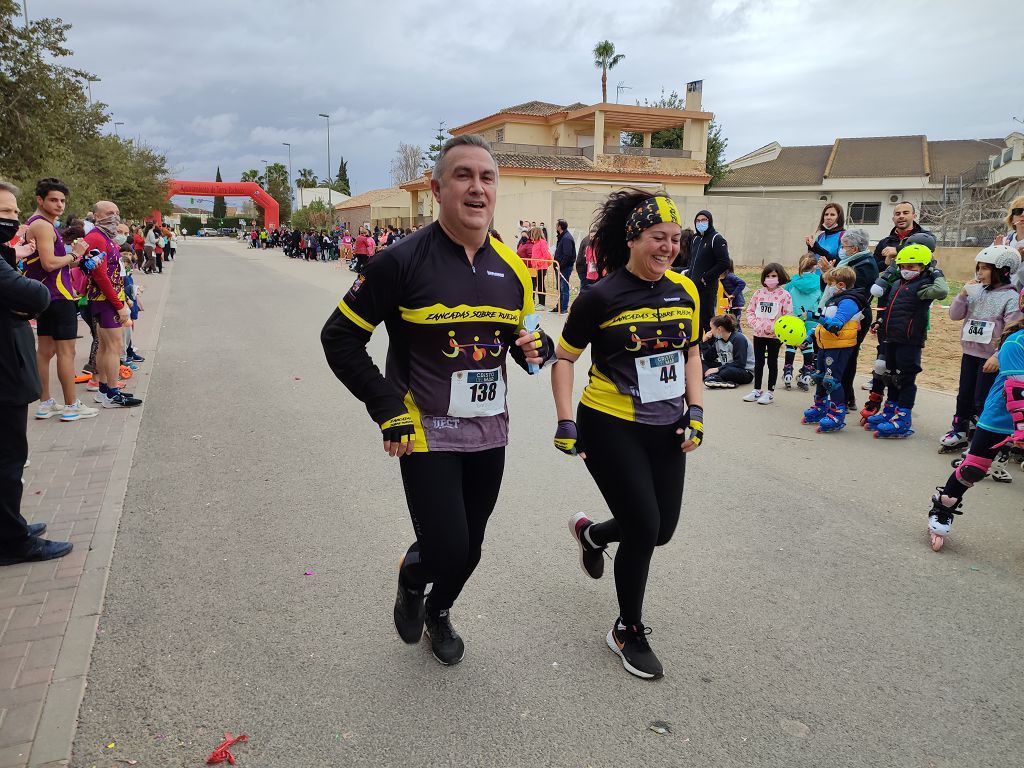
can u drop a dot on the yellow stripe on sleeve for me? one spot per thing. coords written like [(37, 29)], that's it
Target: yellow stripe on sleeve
[(348, 312), (569, 347)]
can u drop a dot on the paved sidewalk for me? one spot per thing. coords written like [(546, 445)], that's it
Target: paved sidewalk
[(49, 611)]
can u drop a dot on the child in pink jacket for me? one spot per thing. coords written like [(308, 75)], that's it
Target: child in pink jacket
[(768, 304)]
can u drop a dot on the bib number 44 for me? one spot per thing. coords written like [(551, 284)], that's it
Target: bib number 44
[(659, 377)]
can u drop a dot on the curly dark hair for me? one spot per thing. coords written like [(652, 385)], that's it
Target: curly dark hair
[(609, 240), (74, 228)]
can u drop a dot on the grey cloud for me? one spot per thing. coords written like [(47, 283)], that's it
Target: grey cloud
[(225, 83)]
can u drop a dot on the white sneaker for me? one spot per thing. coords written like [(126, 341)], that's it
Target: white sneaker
[(77, 411), (766, 398), (753, 396), (100, 398), (49, 408)]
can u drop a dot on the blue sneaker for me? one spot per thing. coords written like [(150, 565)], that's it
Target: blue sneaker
[(39, 549)]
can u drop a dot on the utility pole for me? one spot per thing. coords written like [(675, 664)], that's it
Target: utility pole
[(291, 194), (330, 203)]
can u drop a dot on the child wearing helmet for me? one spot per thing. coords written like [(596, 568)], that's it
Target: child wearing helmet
[(835, 337), (1000, 424), (987, 305), (903, 315), (806, 290)]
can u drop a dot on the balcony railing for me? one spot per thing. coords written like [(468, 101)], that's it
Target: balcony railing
[(536, 149), (683, 154)]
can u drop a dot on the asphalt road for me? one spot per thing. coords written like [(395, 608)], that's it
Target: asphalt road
[(799, 612)]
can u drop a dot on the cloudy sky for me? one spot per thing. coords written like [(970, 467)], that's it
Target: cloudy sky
[(225, 83)]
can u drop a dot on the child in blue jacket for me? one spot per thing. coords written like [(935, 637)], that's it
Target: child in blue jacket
[(805, 289)]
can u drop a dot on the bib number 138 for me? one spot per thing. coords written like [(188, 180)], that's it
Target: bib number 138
[(477, 393), (660, 377)]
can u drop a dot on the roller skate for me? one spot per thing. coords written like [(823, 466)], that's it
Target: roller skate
[(804, 379), (870, 407), (955, 440), (940, 517), (787, 376), (998, 471), (816, 412), (897, 427), (872, 421), (834, 420)]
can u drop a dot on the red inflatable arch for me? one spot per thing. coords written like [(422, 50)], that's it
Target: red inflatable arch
[(260, 196)]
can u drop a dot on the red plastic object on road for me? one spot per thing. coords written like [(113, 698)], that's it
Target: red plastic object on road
[(221, 753)]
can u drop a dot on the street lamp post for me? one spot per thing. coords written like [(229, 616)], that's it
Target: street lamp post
[(115, 128), (330, 203), (91, 80), (291, 192)]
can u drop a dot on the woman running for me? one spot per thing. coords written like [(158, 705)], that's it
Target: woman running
[(645, 389)]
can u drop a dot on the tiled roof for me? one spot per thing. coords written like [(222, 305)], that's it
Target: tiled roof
[(367, 198), (549, 162), (952, 158), (794, 167), (540, 108), (878, 156), (871, 157)]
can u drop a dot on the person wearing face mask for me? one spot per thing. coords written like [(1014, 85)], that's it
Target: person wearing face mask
[(20, 299), (642, 410), (903, 312), (768, 304), (57, 327), (709, 259), (726, 354), (106, 302), (986, 305)]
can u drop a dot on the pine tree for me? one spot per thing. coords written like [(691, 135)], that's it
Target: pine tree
[(220, 208), (434, 150), (341, 183)]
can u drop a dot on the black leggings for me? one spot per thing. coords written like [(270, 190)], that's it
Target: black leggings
[(539, 287), (639, 469), (450, 496), (770, 348), (974, 387), (86, 314), (981, 446)]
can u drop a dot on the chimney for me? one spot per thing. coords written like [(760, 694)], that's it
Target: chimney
[(693, 93)]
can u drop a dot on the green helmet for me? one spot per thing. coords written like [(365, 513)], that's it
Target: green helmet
[(914, 254)]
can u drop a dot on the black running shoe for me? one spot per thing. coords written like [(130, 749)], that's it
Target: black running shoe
[(121, 400), (136, 358), (630, 644), (409, 613), (445, 642), (591, 557)]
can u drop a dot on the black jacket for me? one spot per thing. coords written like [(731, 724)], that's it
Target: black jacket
[(20, 299), (893, 240), (902, 314), (709, 258), (565, 252), (581, 259)]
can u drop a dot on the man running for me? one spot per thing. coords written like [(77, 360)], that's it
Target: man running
[(106, 302), (454, 300), (57, 326)]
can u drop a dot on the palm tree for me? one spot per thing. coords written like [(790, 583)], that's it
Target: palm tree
[(252, 175), (306, 178), (604, 59)]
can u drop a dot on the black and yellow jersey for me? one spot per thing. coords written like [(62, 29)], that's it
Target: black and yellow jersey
[(639, 332), (450, 324)]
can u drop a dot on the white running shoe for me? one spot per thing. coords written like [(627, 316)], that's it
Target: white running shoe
[(766, 398), (49, 408), (100, 398), (77, 411), (754, 396)]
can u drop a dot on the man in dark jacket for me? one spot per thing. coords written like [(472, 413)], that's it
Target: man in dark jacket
[(709, 258), (904, 219), (20, 299), (565, 255)]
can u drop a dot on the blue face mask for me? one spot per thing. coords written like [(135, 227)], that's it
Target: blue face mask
[(702, 226)]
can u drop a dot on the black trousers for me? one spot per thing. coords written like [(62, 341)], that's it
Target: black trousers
[(904, 362), (451, 496), (974, 387), (640, 471), (539, 288), (766, 348), (14, 537)]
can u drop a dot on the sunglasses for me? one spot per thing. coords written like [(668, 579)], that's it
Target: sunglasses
[(1017, 211)]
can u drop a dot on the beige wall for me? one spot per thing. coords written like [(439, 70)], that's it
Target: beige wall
[(528, 133), (957, 263)]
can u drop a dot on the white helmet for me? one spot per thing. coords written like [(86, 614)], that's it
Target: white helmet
[(1000, 257)]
